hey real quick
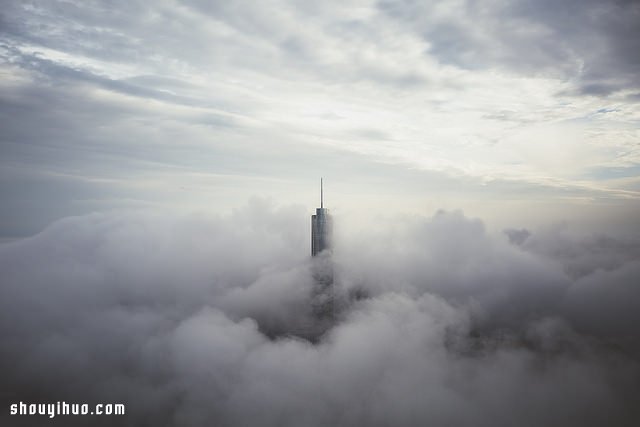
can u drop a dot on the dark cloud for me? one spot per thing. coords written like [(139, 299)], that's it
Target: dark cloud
[(591, 43), (585, 255), (177, 317), (517, 237)]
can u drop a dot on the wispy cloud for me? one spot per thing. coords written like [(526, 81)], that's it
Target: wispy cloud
[(503, 91)]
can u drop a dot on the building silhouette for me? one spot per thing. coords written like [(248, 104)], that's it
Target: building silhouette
[(321, 227), (323, 293)]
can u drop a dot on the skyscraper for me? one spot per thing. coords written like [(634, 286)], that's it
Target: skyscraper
[(321, 227)]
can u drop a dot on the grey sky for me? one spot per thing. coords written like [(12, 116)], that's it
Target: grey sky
[(416, 105)]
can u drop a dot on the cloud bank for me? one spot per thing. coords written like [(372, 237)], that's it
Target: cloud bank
[(194, 320)]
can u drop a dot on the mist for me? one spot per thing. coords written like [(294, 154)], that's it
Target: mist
[(208, 320)]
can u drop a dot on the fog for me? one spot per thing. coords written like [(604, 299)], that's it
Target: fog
[(209, 320)]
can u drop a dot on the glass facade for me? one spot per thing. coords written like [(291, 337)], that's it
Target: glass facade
[(321, 228)]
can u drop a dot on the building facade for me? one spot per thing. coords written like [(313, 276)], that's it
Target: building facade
[(321, 227)]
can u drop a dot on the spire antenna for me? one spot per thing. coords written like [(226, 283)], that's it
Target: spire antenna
[(321, 195)]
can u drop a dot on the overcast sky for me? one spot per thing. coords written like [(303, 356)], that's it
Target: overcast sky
[(163, 157), (493, 106)]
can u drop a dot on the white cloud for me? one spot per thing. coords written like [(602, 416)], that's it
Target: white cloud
[(168, 315)]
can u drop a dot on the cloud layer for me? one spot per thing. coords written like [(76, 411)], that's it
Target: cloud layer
[(194, 320)]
